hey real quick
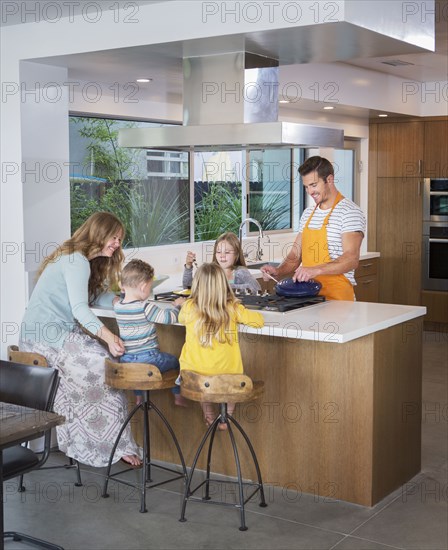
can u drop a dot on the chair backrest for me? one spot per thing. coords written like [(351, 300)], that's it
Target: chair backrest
[(26, 357), (132, 376), (28, 385), (228, 384)]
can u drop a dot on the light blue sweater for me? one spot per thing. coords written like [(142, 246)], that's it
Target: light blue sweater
[(59, 298)]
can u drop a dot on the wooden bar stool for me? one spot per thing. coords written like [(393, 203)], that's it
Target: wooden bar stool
[(222, 389), (31, 358), (145, 377)]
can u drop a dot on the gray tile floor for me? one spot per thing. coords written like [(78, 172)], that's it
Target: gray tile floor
[(415, 517)]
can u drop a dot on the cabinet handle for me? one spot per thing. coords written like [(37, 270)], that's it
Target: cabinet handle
[(366, 265), (420, 163), (367, 282)]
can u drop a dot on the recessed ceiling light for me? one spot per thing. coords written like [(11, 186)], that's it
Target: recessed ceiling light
[(144, 80), (383, 115), (328, 108)]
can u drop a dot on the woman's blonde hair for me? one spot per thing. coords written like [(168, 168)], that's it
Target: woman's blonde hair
[(213, 302), (234, 242), (89, 240)]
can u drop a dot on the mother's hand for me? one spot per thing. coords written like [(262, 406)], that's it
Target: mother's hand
[(116, 347), (114, 342)]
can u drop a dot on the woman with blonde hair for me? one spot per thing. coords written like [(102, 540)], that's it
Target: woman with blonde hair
[(211, 316), (228, 254), (59, 324)]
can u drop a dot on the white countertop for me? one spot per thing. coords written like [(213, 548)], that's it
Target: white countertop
[(337, 321), (333, 321)]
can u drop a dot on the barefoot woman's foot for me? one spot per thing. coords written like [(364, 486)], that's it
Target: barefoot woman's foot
[(132, 460)]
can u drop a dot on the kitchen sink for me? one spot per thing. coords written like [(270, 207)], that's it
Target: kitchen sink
[(257, 265)]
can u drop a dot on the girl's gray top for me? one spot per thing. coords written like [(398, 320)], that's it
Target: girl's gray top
[(242, 279)]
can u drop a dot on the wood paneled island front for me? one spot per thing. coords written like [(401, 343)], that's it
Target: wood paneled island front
[(341, 413)]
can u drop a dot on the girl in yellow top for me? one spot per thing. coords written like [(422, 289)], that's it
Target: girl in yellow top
[(211, 317)]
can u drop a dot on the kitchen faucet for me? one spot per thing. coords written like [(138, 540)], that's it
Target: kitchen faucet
[(260, 236)]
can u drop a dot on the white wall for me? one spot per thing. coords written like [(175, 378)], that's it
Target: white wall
[(45, 171)]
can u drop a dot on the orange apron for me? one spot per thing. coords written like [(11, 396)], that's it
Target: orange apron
[(315, 252)]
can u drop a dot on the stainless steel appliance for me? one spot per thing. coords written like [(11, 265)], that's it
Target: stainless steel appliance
[(230, 101), (262, 302), (435, 200), (435, 234), (435, 256)]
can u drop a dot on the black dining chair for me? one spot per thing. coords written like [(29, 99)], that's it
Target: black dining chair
[(33, 387), (29, 358)]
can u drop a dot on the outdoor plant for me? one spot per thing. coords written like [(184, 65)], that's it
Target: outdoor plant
[(156, 218), (271, 210), (218, 211)]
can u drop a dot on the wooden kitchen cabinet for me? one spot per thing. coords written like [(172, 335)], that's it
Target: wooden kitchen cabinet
[(399, 239), (435, 158), (400, 148), (436, 303), (366, 276), (401, 153)]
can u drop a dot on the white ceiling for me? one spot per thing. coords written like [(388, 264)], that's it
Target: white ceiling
[(163, 63)]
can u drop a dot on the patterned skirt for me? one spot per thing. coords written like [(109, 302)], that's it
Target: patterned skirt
[(94, 412)]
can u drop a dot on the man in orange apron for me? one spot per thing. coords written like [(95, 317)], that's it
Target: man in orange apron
[(328, 244)]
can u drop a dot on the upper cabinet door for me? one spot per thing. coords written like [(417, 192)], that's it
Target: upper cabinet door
[(400, 149), (435, 164)]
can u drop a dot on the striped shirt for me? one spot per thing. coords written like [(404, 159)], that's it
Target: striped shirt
[(346, 217), (136, 324)]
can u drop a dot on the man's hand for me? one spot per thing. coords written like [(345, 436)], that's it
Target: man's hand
[(302, 274), (268, 269)]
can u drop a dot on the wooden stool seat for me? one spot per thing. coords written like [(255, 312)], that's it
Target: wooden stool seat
[(220, 388), (138, 376), (37, 359), (144, 377)]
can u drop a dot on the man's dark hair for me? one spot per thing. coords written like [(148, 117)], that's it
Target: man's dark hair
[(321, 165)]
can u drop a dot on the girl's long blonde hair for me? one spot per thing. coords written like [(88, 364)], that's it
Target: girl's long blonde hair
[(89, 240), (234, 242), (213, 303)]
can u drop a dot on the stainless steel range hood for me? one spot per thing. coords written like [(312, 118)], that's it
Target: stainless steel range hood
[(223, 137), (230, 102)]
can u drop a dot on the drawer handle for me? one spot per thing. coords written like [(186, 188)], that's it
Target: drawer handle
[(367, 282), (366, 265)]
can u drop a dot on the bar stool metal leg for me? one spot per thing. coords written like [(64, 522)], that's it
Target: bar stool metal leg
[(224, 417), (146, 476)]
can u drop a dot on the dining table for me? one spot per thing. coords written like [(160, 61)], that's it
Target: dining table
[(18, 425)]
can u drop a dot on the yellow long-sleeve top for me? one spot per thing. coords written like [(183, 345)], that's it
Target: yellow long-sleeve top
[(221, 358)]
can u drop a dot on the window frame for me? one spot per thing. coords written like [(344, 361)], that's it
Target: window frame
[(294, 212)]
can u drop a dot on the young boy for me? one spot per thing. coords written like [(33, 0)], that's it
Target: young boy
[(136, 317)]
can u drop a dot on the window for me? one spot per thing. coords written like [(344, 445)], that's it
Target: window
[(150, 190), (270, 188), (218, 184), (344, 172), (147, 190)]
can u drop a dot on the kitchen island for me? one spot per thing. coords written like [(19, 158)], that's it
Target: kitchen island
[(341, 413)]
